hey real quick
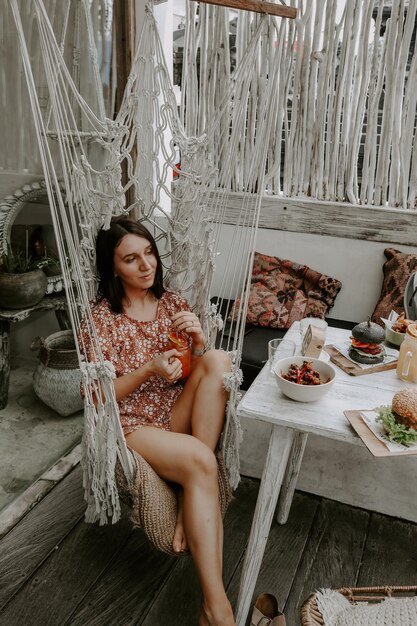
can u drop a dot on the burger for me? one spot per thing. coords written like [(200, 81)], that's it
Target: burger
[(366, 346), (400, 419)]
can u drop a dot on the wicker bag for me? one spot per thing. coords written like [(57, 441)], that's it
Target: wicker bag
[(154, 504), (57, 377), (312, 616)]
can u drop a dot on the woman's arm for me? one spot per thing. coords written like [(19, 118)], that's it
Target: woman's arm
[(165, 365)]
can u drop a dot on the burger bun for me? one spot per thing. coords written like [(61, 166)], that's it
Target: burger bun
[(404, 407)]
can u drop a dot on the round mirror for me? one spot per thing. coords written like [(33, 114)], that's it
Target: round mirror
[(26, 226)]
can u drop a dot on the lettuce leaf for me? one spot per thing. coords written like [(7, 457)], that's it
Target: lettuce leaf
[(395, 431)]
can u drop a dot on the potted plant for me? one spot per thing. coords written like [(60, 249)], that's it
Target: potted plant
[(22, 281)]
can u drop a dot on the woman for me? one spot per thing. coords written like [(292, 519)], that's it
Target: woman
[(175, 427)]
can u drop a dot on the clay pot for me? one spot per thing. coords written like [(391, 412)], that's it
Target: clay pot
[(21, 291)]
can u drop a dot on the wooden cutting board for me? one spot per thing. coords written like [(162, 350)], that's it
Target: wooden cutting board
[(354, 369), (374, 445)]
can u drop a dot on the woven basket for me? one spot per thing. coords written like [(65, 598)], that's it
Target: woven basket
[(57, 350), (154, 504), (57, 377), (311, 616)]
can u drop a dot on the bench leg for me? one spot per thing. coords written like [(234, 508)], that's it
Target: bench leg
[(275, 464), (4, 362), (291, 475)]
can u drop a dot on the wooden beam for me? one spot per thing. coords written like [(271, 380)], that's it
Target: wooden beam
[(335, 219), (257, 6), (123, 20)]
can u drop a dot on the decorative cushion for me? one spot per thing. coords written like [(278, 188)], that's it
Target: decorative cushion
[(397, 270), (283, 292)]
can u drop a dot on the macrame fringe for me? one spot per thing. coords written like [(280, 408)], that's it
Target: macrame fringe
[(233, 433), (99, 444)]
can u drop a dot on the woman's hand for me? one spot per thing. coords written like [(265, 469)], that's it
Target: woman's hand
[(167, 365), (188, 322)]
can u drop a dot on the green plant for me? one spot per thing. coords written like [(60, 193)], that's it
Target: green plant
[(19, 263)]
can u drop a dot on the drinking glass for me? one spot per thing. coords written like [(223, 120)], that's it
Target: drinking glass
[(279, 349)]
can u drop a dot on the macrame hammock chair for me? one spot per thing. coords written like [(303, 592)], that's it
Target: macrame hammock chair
[(84, 153)]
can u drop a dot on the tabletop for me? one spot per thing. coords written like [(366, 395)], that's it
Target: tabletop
[(264, 400)]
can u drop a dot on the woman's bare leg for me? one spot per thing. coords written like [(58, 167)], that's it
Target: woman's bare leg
[(189, 462), (200, 411), (200, 408)]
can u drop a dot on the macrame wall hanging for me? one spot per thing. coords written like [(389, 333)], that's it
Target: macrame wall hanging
[(92, 150)]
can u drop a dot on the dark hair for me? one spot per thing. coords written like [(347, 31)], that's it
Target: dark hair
[(110, 286)]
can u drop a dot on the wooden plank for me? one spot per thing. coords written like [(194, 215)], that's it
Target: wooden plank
[(332, 556), (354, 369), (38, 490), (341, 219), (371, 441), (179, 600), (71, 569), (31, 541), (256, 6), (127, 587), (389, 557), (283, 552)]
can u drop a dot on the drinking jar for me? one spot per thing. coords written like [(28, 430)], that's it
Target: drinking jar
[(181, 342), (407, 359)]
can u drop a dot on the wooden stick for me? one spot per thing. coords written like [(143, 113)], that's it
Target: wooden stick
[(257, 7)]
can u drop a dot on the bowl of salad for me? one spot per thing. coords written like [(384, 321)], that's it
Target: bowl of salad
[(303, 378)]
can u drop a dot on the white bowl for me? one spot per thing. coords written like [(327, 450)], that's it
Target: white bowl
[(304, 393), (392, 336)]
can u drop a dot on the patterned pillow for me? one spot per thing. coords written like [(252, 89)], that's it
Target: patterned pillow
[(283, 292), (397, 270)]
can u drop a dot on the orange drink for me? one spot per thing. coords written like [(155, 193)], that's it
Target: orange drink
[(181, 342)]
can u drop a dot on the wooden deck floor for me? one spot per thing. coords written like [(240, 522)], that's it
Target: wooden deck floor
[(56, 570)]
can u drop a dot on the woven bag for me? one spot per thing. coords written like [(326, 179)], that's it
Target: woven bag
[(388, 605), (154, 504), (57, 377)]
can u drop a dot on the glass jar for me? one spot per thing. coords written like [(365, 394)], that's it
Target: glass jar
[(407, 359), (182, 343)]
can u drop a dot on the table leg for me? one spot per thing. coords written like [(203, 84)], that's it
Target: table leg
[(63, 319), (291, 475), (273, 473), (4, 362)]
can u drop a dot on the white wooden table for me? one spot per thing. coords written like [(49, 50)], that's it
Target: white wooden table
[(291, 423)]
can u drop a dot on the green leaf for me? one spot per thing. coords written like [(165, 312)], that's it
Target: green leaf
[(17, 263), (395, 431)]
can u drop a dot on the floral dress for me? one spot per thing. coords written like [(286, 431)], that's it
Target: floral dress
[(129, 344)]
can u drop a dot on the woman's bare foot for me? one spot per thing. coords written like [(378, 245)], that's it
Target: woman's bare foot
[(222, 617), (179, 542)]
